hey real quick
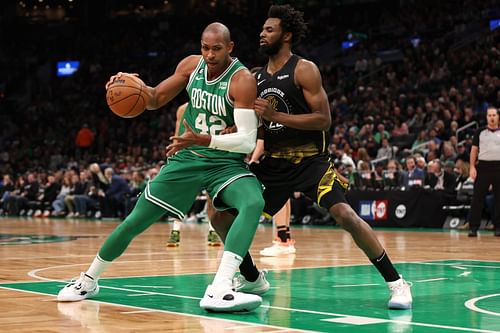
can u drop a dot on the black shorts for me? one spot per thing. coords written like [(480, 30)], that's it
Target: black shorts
[(314, 176)]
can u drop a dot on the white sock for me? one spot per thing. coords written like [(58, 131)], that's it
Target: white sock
[(227, 268), (210, 228), (177, 225), (98, 266)]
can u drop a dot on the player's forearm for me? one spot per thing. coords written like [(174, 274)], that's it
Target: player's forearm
[(473, 157), (310, 121), (203, 140), (258, 151), (161, 94), (235, 142), (243, 141), (156, 100)]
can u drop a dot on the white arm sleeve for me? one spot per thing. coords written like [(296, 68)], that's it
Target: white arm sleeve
[(243, 141)]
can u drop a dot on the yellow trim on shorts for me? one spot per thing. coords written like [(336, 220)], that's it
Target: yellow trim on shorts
[(267, 216), (324, 142), (327, 181)]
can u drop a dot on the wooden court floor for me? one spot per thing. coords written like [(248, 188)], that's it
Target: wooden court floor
[(328, 286)]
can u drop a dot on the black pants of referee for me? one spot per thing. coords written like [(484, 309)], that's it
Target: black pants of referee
[(488, 173)]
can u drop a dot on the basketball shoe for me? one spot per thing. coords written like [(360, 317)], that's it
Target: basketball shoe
[(258, 287), (79, 289), (279, 248), (400, 294), (175, 238), (223, 299), (213, 239)]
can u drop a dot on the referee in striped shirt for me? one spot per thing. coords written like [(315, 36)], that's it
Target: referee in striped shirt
[(486, 152)]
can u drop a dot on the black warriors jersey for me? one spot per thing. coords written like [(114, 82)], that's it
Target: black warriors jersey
[(284, 96)]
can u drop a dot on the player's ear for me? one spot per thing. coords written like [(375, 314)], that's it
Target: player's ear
[(287, 37), (230, 47)]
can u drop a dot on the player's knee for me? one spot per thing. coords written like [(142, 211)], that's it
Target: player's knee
[(255, 204), (216, 218), (346, 217), (213, 215)]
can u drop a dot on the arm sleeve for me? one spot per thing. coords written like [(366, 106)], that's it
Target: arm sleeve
[(243, 141)]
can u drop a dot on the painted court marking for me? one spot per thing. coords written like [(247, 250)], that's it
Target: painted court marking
[(143, 309), (341, 318), (355, 320), (471, 304)]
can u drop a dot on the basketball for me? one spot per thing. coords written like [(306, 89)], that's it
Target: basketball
[(126, 96)]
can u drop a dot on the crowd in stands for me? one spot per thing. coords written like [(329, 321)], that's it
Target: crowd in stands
[(96, 191), (397, 122)]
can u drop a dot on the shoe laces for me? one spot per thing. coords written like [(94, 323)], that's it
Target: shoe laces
[(240, 280), (81, 281), (400, 288)]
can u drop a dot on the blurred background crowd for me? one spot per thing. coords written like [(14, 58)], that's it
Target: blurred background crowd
[(408, 84)]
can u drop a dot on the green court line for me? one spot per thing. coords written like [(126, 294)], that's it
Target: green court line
[(325, 300)]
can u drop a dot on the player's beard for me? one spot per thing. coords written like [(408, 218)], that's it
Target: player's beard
[(271, 49)]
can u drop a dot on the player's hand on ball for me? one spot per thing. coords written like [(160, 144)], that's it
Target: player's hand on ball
[(187, 139), (126, 95), (118, 75)]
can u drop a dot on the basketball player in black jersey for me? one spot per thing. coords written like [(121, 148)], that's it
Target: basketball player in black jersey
[(295, 120)]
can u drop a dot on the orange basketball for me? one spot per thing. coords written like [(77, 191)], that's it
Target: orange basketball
[(126, 96)]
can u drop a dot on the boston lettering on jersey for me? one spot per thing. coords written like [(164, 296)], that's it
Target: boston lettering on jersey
[(204, 100), (210, 109)]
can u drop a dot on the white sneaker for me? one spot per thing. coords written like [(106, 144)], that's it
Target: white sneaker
[(224, 299), (80, 289), (400, 295), (279, 248), (258, 287)]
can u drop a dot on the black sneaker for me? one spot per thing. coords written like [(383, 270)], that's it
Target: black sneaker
[(472, 233), (497, 232)]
